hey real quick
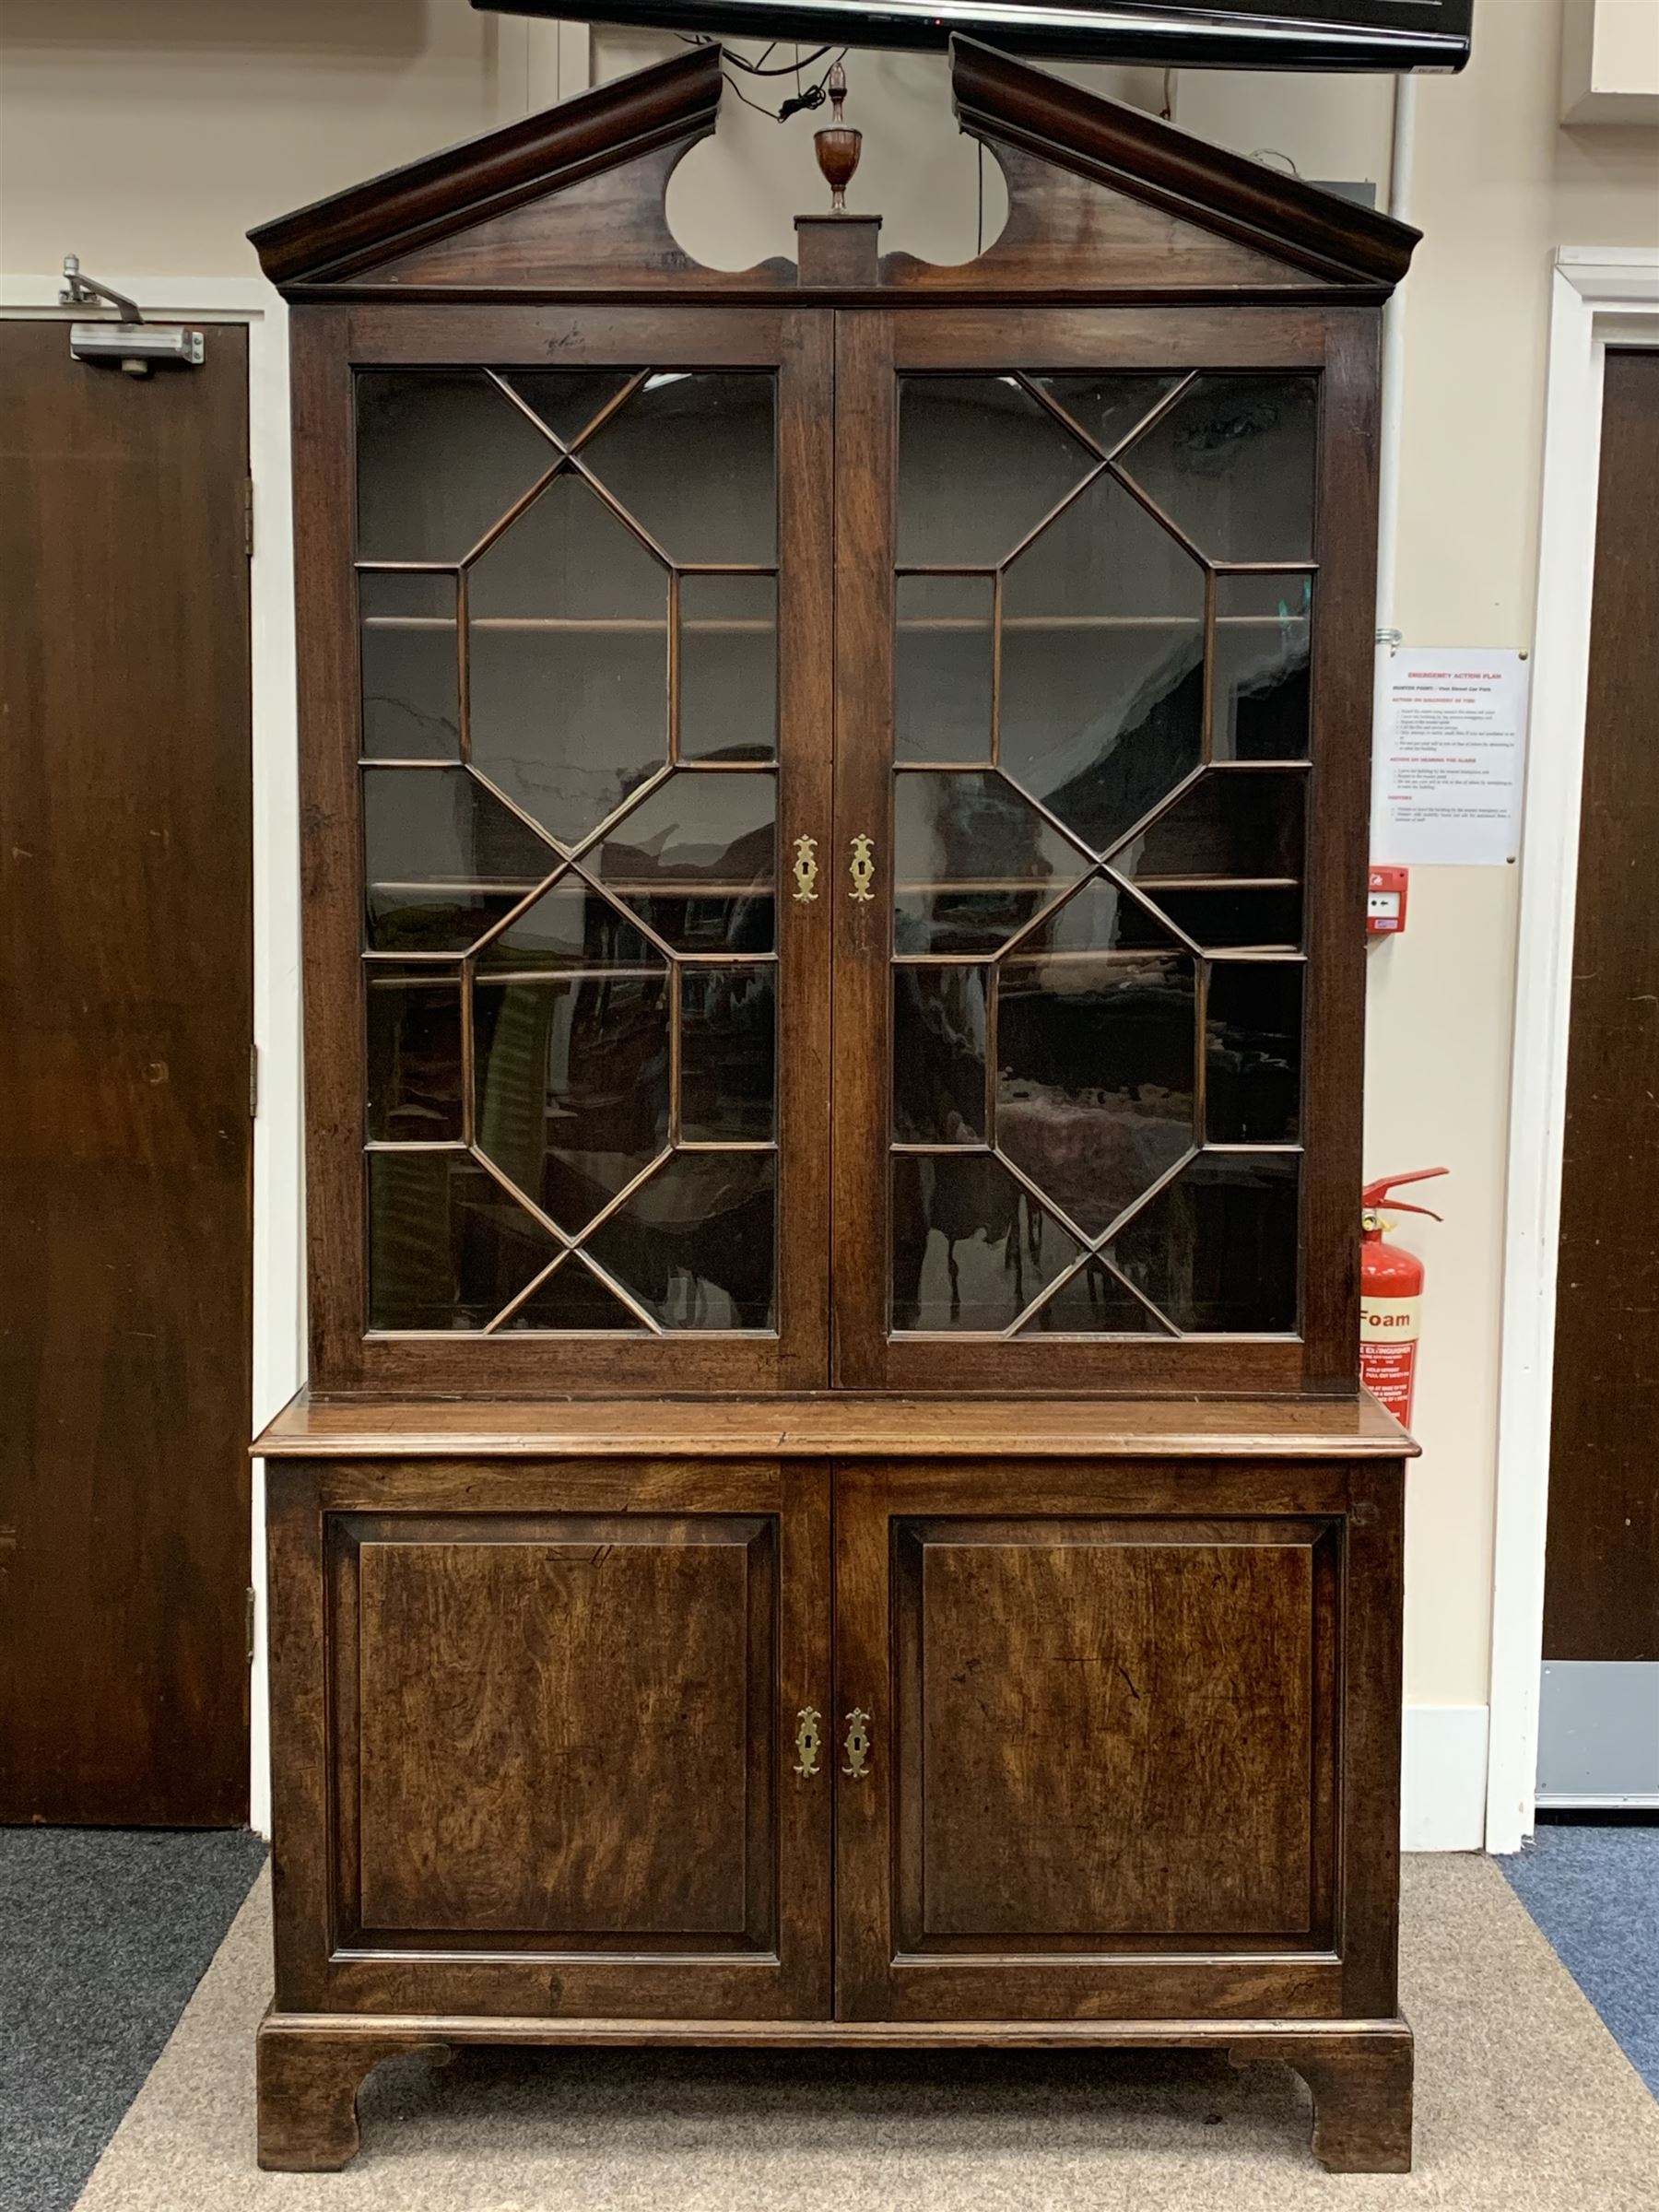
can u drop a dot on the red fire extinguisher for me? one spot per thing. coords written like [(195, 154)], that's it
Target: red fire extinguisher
[(1391, 1294)]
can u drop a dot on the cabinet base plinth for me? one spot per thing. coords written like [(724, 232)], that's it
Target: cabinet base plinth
[(312, 2064)]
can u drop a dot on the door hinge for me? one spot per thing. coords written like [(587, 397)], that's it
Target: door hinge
[(253, 1082), (253, 1615), (248, 517)]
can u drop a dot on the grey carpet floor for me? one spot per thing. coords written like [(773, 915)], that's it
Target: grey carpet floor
[(103, 1935), (1593, 1890), (1524, 2104)]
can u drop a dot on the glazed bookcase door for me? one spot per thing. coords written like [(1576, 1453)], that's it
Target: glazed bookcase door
[(570, 1058), (1100, 794)]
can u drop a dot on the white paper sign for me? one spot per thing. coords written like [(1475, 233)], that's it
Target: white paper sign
[(1446, 778)]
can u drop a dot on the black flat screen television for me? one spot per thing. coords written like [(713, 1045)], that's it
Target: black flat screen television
[(1217, 34)]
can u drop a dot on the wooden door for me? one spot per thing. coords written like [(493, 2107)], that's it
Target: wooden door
[(1600, 1709), (1103, 618), (125, 982), (536, 1736), (1121, 1734), (564, 710)]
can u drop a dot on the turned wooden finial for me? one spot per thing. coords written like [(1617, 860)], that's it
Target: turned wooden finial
[(837, 147)]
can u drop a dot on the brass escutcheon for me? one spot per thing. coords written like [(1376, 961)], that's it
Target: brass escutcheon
[(805, 869), (858, 1745), (862, 867), (808, 1740)]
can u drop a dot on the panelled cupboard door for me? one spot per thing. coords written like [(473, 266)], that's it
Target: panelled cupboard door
[(1110, 1719), (537, 1736), (1103, 604), (566, 582)]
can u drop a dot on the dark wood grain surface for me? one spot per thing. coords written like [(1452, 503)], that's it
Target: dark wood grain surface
[(125, 1149), (1601, 1589)]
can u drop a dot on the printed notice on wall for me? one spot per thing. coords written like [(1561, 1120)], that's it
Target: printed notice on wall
[(1446, 779)]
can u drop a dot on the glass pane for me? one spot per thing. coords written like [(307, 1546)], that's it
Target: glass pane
[(1253, 1053), (1102, 664), (572, 1085), (570, 927), (939, 1055), (695, 1245), (1237, 920), (1099, 917), (691, 457), (1217, 1249), (414, 1055), (573, 1298), (979, 464), (1231, 464), (973, 861), (1094, 1093), (447, 1246), (728, 670), (568, 648), (568, 400), (442, 454), (442, 859), (971, 1248), (411, 668), (697, 859), (1242, 827), (1108, 408), (1262, 626), (1092, 1302), (728, 1054), (942, 670)]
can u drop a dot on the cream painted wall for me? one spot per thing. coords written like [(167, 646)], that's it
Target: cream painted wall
[(147, 136)]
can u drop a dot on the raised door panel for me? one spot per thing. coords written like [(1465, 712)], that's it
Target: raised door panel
[(1107, 1743), (558, 1720)]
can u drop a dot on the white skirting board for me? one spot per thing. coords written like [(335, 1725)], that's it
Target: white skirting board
[(1443, 1778)]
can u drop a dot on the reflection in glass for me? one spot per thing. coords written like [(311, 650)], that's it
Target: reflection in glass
[(443, 859), (1247, 827), (1092, 1302), (1237, 919), (942, 668), (573, 1298), (1260, 673), (1217, 1249), (440, 456), (1094, 1094), (972, 862), (567, 400), (414, 1055), (411, 669), (447, 1246), (979, 464), (939, 1055), (1231, 465), (1108, 406), (1100, 916), (1102, 664), (971, 1246), (728, 668), (567, 645), (570, 927), (692, 458), (695, 1244), (572, 1085), (728, 1054), (697, 859), (1253, 1051)]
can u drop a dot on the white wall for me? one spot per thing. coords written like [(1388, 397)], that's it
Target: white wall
[(148, 134)]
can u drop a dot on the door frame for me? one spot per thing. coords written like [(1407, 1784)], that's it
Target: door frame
[(279, 1317), (1600, 297)]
